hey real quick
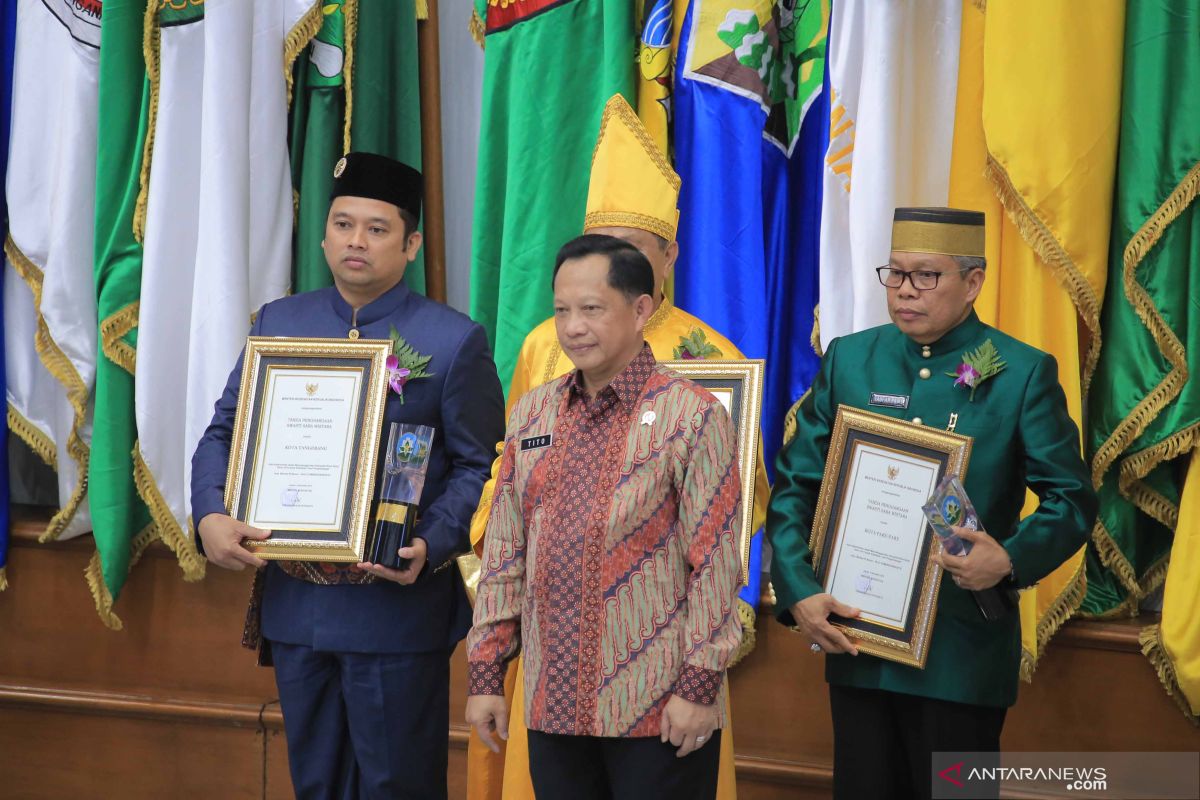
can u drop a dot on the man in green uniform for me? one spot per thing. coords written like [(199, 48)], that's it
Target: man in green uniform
[(889, 718)]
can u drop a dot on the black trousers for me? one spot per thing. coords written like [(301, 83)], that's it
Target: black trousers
[(883, 742), (364, 725), (603, 768)]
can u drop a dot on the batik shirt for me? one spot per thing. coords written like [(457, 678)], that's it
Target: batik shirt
[(610, 556)]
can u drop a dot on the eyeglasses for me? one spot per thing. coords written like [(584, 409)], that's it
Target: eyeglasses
[(921, 279)]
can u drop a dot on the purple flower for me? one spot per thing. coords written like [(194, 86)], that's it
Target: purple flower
[(397, 376), (967, 375), (686, 354)]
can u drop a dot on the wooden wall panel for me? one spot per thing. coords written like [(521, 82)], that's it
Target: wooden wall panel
[(173, 706)]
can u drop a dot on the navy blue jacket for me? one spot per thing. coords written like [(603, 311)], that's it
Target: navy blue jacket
[(462, 401)]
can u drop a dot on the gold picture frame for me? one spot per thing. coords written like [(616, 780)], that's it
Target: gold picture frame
[(872, 546), (305, 444), (738, 384)]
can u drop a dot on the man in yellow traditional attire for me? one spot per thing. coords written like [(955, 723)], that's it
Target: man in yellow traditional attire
[(632, 195)]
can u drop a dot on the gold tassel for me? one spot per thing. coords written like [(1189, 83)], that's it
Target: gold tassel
[(1051, 252), (746, 614), (477, 29), (33, 436), (298, 38), (350, 12), (58, 365), (169, 532), (3, 578), (422, 9), (150, 52), (1153, 649), (981, 5), (95, 577)]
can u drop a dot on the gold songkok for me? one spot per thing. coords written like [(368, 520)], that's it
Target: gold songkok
[(632, 183), (948, 231)]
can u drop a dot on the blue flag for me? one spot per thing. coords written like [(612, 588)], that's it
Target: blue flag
[(8, 47), (750, 121)]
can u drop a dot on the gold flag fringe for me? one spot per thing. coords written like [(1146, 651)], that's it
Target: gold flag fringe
[(169, 531), (422, 9), (747, 615), (815, 338), (298, 38), (33, 436), (477, 29), (350, 12), (1112, 558), (58, 365), (1153, 648), (980, 4), (112, 337), (3, 578), (1062, 609), (95, 577), (1136, 422), (1047, 247), (150, 53)]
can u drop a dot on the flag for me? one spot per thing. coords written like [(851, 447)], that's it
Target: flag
[(893, 70), (355, 87), (8, 33), (748, 132), (50, 309), (318, 130), (1144, 413), (1173, 646), (219, 193), (656, 59), (1035, 150), (121, 521), (549, 68)]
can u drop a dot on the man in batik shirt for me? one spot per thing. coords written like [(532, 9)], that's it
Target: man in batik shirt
[(610, 559)]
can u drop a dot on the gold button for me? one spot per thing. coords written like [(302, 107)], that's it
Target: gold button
[(925, 352), (354, 333), (924, 373), (916, 420)]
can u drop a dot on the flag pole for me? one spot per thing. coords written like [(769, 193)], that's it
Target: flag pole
[(431, 153)]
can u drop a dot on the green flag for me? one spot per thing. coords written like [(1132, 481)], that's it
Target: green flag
[(121, 521), (364, 50), (1143, 412), (549, 68)]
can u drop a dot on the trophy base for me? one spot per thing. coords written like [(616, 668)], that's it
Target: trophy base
[(394, 524)]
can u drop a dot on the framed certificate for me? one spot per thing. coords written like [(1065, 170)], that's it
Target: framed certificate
[(872, 546), (738, 385), (305, 444)]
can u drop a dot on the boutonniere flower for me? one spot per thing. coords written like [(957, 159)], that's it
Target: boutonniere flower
[(695, 345), (978, 367), (404, 364)]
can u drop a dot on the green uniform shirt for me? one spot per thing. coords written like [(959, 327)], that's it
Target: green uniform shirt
[(1023, 436)]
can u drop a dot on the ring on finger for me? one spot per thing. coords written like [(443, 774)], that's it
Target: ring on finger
[(816, 648), (700, 739)]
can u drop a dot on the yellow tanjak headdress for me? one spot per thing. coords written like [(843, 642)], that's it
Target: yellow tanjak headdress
[(948, 231), (632, 184)]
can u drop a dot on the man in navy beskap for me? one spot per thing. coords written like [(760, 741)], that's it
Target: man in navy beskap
[(361, 653)]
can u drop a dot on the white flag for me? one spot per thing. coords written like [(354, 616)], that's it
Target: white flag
[(219, 224), (50, 296), (893, 75)]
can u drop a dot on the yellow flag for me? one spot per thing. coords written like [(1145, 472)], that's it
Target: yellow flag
[(1035, 144), (1173, 646)]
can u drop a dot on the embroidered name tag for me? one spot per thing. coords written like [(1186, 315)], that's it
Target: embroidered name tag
[(889, 400), (534, 442)]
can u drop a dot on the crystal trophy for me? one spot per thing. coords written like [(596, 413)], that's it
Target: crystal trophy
[(949, 507), (404, 468)]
